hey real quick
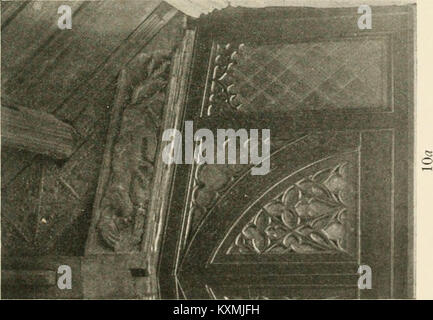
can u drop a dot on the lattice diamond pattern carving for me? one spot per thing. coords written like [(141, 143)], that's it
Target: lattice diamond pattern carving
[(320, 75)]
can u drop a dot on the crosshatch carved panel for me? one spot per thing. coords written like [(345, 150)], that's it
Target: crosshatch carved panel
[(312, 215), (346, 74)]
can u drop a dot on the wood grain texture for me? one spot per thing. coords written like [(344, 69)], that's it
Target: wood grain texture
[(36, 131), (58, 72), (9, 10), (125, 182), (29, 32), (67, 189), (152, 241), (61, 63), (81, 172)]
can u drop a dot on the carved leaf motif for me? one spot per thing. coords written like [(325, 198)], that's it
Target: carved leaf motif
[(320, 223), (292, 195), (309, 216), (289, 240), (335, 231), (262, 220), (302, 248), (204, 196), (322, 175), (215, 175), (275, 209), (223, 93), (290, 219), (302, 208), (124, 202), (258, 240), (210, 182), (275, 232)]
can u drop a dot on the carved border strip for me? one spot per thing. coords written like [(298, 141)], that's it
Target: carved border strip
[(163, 173), (172, 118), (104, 174)]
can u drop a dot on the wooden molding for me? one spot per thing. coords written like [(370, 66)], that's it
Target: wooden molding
[(173, 116), (108, 234), (124, 186)]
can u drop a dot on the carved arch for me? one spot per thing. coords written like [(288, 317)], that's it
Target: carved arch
[(319, 157)]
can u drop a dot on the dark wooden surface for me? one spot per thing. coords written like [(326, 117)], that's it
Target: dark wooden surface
[(92, 277), (46, 205), (200, 222), (35, 131)]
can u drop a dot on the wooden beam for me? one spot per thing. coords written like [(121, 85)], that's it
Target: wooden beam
[(35, 131)]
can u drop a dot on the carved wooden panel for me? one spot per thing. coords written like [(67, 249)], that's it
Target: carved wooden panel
[(316, 214), (349, 73), (125, 183), (338, 105), (209, 182), (308, 203)]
